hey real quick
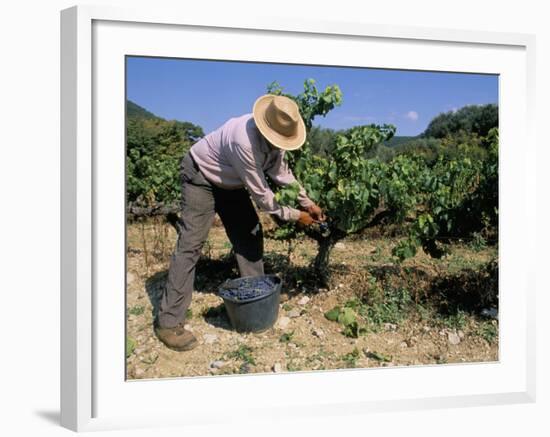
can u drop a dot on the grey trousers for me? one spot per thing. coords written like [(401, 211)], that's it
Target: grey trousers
[(200, 201)]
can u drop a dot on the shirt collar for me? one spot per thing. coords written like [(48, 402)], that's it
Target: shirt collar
[(263, 144)]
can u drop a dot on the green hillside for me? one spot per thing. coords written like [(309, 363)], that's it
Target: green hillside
[(397, 140), (154, 148), (135, 111)]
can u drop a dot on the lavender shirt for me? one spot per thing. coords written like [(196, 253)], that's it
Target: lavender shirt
[(236, 155)]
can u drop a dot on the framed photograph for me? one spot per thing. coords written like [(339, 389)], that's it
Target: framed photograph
[(322, 217)]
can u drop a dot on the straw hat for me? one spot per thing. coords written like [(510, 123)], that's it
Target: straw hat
[(278, 119)]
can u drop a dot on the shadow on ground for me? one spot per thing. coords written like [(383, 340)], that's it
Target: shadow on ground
[(211, 273), (468, 290), (51, 416)]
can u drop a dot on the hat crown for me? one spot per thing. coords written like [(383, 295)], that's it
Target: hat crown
[(282, 116), (279, 121)]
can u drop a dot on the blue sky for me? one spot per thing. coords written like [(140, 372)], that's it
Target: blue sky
[(207, 93)]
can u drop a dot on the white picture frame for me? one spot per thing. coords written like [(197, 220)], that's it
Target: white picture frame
[(94, 394)]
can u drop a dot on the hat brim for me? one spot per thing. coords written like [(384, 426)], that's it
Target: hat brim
[(280, 141)]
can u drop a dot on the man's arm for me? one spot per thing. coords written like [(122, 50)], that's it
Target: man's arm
[(282, 175), (249, 170)]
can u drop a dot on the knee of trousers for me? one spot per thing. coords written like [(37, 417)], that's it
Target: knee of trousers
[(250, 245)]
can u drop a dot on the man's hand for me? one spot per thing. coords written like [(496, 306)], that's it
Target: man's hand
[(316, 212), (305, 219)]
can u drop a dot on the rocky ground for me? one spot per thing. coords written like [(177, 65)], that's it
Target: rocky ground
[(303, 339)]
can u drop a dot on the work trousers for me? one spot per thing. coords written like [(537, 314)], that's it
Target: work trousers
[(201, 200)]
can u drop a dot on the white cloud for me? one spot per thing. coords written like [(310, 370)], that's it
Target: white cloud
[(412, 115)]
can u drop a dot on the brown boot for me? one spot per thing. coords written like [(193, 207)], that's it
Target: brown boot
[(176, 338)]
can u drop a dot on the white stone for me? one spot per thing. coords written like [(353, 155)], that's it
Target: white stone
[(218, 364), (130, 277), (293, 314), (318, 333), (339, 245), (277, 367), (453, 338), (304, 300), (210, 338), (283, 322)]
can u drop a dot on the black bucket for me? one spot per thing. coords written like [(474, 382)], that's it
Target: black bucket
[(252, 302)]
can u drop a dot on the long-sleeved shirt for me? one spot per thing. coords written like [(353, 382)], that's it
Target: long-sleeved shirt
[(237, 155)]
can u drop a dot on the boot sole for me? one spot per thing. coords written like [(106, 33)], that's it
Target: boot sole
[(187, 347)]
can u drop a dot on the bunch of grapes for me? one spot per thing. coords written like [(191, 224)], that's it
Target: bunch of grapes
[(246, 288), (324, 230)]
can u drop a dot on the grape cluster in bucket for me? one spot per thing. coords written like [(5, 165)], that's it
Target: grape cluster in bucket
[(246, 288)]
